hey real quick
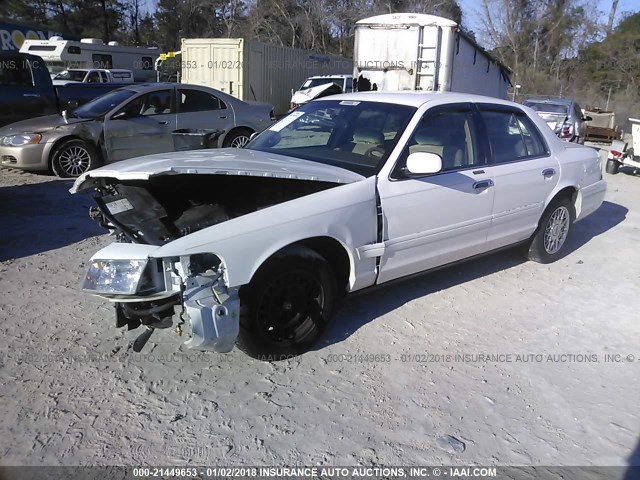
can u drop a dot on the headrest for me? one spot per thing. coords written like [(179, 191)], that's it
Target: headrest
[(368, 135), (428, 136)]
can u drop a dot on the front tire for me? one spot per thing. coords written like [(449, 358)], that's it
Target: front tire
[(547, 242), (72, 158), (287, 306), (238, 138)]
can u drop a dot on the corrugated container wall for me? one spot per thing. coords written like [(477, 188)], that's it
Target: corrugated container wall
[(254, 71), (407, 51)]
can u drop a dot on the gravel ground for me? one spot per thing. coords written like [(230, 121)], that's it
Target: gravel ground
[(497, 361)]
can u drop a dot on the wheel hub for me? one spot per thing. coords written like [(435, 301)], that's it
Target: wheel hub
[(290, 307), (556, 230)]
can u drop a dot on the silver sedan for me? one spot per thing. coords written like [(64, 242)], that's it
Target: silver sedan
[(129, 122)]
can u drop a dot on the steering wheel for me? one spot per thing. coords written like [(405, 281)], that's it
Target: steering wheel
[(375, 152)]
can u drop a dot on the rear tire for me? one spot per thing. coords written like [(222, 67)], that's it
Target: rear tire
[(237, 138), (72, 158), (612, 167), (287, 306), (548, 240)]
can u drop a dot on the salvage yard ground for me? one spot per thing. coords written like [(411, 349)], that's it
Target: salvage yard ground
[(520, 363)]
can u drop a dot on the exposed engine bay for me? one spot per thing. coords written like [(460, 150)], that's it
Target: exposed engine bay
[(161, 209)]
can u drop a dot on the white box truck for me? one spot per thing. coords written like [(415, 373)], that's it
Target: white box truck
[(410, 51), (254, 71)]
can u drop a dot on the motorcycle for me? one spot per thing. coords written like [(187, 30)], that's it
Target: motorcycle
[(620, 155)]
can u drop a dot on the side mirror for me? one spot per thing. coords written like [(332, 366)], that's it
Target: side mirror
[(71, 104), (424, 163), (253, 135)]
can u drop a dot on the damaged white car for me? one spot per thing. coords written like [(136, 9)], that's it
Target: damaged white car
[(257, 245)]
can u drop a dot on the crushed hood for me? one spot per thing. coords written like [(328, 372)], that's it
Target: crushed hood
[(224, 161)]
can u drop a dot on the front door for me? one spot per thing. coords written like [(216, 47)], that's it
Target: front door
[(141, 127), (437, 219)]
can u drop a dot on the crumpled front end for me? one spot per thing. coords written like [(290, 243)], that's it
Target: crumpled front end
[(163, 293)]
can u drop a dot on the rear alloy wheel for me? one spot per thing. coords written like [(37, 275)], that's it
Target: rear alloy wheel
[(73, 158), (238, 138), (287, 306), (552, 232)]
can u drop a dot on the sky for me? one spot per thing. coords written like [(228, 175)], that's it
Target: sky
[(472, 13)]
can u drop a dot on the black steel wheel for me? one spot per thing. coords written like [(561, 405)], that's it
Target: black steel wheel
[(287, 306)]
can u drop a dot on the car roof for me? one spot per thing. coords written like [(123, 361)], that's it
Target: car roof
[(415, 98), (557, 100)]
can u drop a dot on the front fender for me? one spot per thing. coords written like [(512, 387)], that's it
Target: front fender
[(346, 213)]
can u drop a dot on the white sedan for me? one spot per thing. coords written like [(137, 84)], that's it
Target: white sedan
[(256, 245)]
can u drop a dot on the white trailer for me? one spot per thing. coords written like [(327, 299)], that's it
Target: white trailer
[(409, 51), (60, 54), (254, 71)]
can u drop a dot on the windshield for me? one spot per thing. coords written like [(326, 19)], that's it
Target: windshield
[(548, 107), (314, 82), (356, 136), (98, 107), (73, 75)]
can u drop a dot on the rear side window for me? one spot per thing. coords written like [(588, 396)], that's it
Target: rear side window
[(512, 136), (198, 101), (15, 73)]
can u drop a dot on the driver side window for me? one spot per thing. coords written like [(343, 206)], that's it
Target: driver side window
[(447, 133), (154, 103)]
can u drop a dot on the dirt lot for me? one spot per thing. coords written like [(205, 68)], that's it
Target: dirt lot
[(73, 393)]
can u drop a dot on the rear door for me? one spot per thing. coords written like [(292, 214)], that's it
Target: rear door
[(142, 126), (523, 171), (199, 109)]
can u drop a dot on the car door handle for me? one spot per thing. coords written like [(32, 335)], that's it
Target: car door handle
[(548, 172), (482, 184), (162, 122), (31, 95), (224, 117)]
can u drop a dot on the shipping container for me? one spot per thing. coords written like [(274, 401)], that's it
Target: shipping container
[(254, 71), (408, 51)]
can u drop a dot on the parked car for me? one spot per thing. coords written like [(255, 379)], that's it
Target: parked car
[(136, 120), (350, 191), (320, 86), (563, 115), (26, 89), (92, 75)]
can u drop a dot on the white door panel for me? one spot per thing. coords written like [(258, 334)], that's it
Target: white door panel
[(521, 190), (523, 171), (433, 221)]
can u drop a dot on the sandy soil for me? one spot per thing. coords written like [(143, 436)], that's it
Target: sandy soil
[(73, 393)]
